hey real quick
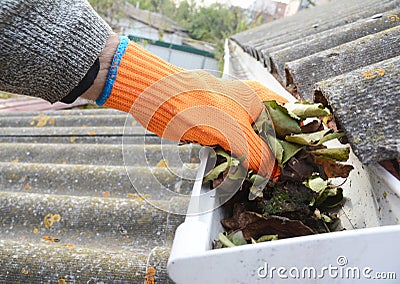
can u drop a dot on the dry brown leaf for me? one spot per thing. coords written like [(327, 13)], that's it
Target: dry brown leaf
[(334, 169)]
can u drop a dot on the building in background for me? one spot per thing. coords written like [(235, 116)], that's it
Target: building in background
[(165, 38), (269, 10)]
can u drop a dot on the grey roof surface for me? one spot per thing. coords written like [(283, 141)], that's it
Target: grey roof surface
[(346, 52), (71, 163)]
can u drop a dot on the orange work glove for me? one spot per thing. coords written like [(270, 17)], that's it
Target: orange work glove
[(189, 106)]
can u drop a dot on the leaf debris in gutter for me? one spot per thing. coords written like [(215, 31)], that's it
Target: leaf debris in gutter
[(302, 199)]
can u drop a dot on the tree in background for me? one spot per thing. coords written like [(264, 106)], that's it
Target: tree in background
[(212, 24), (110, 10)]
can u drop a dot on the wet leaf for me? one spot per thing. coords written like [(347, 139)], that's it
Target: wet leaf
[(282, 150), (333, 201), (299, 167), (331, 136), (320, 216), (225, 241), (305, 110), (262, 124), (317, 184), (237, 172), (266, 209), (289, 150), (254, 225), (275, 225), (324, 195), (282, 122), (267, 238), (337, 154), (313, 126), (322, 187), (307, 138), (276, 148), (216, 172), (258, 185), (232, 168), (222, 153), (334, 169), (237, 238)]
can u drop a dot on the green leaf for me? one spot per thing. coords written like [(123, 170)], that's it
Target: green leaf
[(230, 162), (276, 148), (263, 123), (237, 238), (326, 218), (283, 123), (224, 154), (337, 154), (256, 190), (330, 136), (308, 138), (305, 110), (237, 172), (257, 180), (289, 150), (321, 186), (333, 201), (235, 162), (323, 195), (321, 216), (225, 241), (216, 172), (317, 184), (267, 238)]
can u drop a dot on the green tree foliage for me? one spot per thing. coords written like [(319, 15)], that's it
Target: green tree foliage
[(212, 24), (109, 10)]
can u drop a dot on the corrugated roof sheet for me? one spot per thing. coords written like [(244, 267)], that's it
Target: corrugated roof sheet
[(71, 163), (346, 52)]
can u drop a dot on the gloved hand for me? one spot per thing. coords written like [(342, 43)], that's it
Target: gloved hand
[(190, 106)]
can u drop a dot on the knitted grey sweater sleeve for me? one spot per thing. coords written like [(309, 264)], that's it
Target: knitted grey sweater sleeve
[(47, 46)]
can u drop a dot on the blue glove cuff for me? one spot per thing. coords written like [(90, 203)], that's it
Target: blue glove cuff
[(112, 73)]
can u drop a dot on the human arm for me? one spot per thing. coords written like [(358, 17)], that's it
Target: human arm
[(53, 57), (48, 46)]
